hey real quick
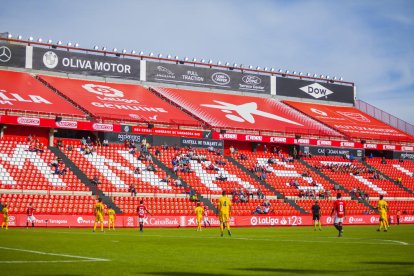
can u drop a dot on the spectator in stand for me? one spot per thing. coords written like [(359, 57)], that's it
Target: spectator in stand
[(83, 141), (98, 142), (166, 179), (231, 149), (132, 189), (401, 160), (187, 190), (95, 182), (137, 170), (220, 161), (221, 177), (399, 180), (258, 210), (250, 191), (260, 194), (265, 148), (105, 143), (243, 156), (148, 158), (262, 176), (151, 167), (87, 150), (210, 149), (383, 161), (88, 141), (59, 143), (178, 182), (69, 148), (157, 152), (60, 169), (236, 198), (211, 167), (218, 152)]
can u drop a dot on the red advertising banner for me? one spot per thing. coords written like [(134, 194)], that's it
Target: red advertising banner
[(168, 132), (245, 112), (19, 220), (351, 121), (119, 101), (22, 92)]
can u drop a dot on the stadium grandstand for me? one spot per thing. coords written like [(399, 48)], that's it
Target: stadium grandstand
[(78, 124)]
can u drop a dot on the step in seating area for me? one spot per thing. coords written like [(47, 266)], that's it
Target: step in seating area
[(207, 172), (161, 206), (50, 204), (355, 176), (395, 169)]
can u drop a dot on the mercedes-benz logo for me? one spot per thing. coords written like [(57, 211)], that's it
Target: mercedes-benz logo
[(5, 54)]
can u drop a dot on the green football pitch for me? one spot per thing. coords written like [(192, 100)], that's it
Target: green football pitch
[(250, 251)]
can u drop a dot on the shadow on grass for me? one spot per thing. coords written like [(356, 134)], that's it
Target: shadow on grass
[(293, 270), (389, 263), (183, 273)]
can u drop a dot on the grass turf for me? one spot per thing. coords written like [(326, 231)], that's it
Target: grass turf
[(250, 251)]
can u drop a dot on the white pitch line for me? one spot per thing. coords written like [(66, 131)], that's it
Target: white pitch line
[(41, 262), (56, 254)]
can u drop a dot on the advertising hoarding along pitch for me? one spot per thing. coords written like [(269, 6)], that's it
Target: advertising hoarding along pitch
[(12, 55), (85, 64), (119, 101), (351, 121), (245, 112), (320, 91), (206, 77)]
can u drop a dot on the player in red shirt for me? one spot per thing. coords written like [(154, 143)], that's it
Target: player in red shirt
[(30, 215), (339, 211), (205, 216), (141, 210)]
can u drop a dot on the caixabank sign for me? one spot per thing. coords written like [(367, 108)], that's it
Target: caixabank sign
[(314, 90), (206, 77), (85, 64)]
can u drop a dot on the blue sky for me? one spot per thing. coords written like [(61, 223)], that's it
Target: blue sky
[(368, 42)]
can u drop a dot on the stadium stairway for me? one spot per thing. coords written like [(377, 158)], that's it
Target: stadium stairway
[(387, 177), (366, 203), (269, 187), (171, 173), (85, 180)]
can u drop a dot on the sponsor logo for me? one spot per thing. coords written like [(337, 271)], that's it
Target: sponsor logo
[(254, 138), (388, 147), (355, 116), (370, 146), (5, 54), (103, 90), (229, 136), (127, 128), (50, 59), (244, 112), (373, 219), (165, 70), (28, 121), (347, 144), (278, 140), (324, 143), (320, 112), (12, 218), (253, 221), (302, 141), (67, 124), (135, 116), (408, 219), (80, 220), (220, 78), (407, 156), (253, 80), (103, 127), (316, 90), (329, 220), (355, 220), (405, 148)]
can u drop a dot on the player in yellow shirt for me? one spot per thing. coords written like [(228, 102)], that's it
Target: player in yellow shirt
[(224, 208), (5, 212), (99, 210), (383, 209), (111, 218), (199, 215)]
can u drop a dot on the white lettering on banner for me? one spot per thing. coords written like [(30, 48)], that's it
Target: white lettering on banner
[(316, 90), (67, 124), (302, 141), (208, 178), (192, 76), (324, 143), (388, 147), (162, 221), (28, 121), (228, 136), (272, 221), (19, 157), (102, 163), (405, 148), (355, 116), (103, 90), (317, 111), (220, 78), (370, 146), (129, 107), (103, 127), (8, 98), (278, 140), (95, 65), (348, 144), (357, 220), (254, 138), (245, 112), (370, 130)]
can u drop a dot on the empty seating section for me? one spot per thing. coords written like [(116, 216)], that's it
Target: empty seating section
[(395, 169), (344, 172), (280, 174), (24, 170), (157, 205), (115, 168), (404, 206), (352, 207), (49, 204), (204, 178), (278, 207)]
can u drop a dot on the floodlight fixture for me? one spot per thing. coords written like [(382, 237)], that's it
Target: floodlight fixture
[(96, 47), (40, 40)]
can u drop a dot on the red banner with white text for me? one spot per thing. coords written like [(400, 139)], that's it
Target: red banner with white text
[(19, 220)]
